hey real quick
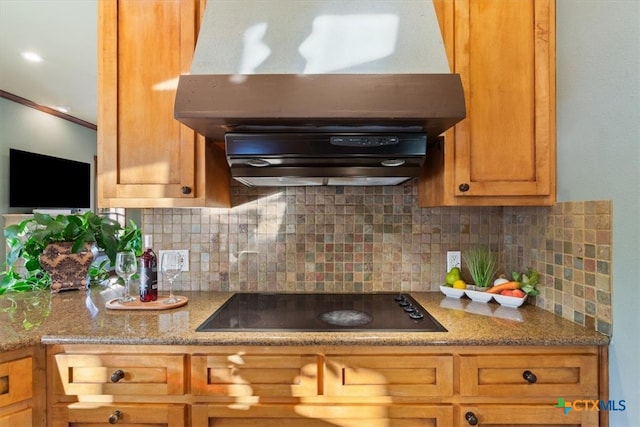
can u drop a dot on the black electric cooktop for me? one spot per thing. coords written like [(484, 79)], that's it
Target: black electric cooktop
[(321, 312)]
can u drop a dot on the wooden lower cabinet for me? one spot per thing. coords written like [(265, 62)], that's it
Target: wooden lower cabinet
[(22, 385), (314, 386)]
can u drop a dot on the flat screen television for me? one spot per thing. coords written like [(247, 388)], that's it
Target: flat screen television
[(38, 181)]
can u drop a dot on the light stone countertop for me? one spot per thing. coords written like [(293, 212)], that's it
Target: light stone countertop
[(80, 317)]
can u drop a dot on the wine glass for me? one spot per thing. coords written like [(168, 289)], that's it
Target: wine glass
[(126, 267), (171, 264)]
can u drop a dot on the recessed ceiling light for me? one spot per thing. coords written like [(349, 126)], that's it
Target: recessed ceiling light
[(32, 56)]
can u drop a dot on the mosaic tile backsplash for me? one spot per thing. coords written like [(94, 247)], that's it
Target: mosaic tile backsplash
[(570, 244), (364, 239)]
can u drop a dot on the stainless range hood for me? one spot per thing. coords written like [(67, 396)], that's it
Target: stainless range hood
[(320, 70)]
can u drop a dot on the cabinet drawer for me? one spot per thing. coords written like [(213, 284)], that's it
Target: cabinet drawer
[(526, 416), (16, 378), (308, 415), (120, 374), (87, 414), (535, 375), (242, 375), (389, 375)]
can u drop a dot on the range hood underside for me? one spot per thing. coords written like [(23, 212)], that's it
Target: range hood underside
[(311, 159)]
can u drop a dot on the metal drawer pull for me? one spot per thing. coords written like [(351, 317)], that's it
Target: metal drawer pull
[(530, 377), (115, 417), (471, 418), (117, 375)]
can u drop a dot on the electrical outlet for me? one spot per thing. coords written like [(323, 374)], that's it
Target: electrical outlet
[(185, 255), (453, 260)]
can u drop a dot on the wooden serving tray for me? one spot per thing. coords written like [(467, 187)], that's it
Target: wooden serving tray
[(158, 304)]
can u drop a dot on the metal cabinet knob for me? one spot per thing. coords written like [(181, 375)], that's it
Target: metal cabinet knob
[(463, 187), (186, 190), (117, 375), (115, 417), (530, 377), (471, 418)]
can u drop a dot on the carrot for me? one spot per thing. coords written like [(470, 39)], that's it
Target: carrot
[(503, 287)]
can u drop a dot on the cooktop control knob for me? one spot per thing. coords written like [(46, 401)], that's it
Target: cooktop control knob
[(416, 314), (402, 301)]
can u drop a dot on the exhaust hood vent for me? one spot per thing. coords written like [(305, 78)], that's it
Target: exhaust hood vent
[(311, 159), (317, 70)]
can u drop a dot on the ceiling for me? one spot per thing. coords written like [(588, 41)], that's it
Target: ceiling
[(64, 33)]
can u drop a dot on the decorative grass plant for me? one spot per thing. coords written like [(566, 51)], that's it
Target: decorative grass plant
[(482, 265)]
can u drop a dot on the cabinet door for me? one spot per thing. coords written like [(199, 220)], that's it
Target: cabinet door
[(503, 153), (16, 381), (101, 414), (309, 415), (23, 387), (22, 417), (524, 416), (146, 158)]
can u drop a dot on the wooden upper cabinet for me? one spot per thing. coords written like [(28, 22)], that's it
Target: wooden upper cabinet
[(146, 158), (504, 152)]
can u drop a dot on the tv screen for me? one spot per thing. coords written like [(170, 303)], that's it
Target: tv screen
[(39, 181)]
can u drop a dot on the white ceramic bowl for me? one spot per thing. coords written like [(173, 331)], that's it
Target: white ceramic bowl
[(451, 292), (508, 301), (478, 296)]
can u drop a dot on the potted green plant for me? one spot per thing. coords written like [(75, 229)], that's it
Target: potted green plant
[(482, 265), (29, 240)]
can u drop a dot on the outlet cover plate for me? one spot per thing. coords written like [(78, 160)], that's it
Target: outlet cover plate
[(453, 260), (185, 255)]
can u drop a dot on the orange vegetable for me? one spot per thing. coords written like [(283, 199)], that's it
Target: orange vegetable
[(503, 287), (517, 293)]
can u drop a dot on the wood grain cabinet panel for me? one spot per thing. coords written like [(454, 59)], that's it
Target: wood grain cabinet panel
[(242, 376), (16, 381), (406, 376), (22, 387), (504, 152), (146, 158), (22, 417)]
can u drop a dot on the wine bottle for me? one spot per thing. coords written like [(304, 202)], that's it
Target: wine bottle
[(148, 272)]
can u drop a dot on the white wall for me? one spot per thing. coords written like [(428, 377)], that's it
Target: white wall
[(598, 119), (28, 129)]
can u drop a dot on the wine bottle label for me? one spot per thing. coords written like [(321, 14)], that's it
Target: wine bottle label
[(148, 284)]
